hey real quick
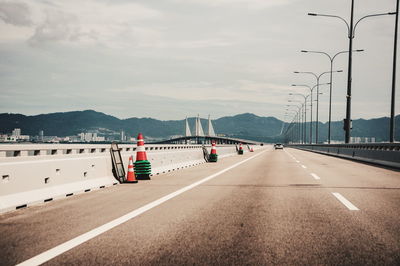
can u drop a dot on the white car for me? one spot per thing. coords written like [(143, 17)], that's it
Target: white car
[(278, 146)]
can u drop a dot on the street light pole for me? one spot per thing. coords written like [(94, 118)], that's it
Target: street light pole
[(317, 118), (305, 112), (393, 100), (311, 94), (331, 59), (317, 77), (347, 122), (301, 118), (292, 126), (350, 29)]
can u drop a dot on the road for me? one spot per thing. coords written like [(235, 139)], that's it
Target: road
[(278, 207)]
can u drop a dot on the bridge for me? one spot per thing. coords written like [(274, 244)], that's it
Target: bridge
[(207, 140), (201, 138), (269, 206)]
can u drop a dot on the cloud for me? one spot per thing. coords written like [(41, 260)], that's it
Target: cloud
[(58, 26), (235, 91), (250, 4), (91, 22), (15, 13)]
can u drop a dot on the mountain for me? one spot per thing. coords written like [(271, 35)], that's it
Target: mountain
[(246, 126), (377, 128)]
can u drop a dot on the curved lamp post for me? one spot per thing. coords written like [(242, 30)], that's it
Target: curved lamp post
[(317, 77), (351, 32), (305, 113), (301, 120), (331, 58)]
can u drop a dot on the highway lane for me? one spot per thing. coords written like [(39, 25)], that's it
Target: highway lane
[(269, 210)]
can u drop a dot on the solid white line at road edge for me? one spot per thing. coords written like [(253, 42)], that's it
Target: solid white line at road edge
[(345, 202), (60, 249)]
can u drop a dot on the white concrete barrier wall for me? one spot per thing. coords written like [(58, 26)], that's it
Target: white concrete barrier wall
[(34, 173)]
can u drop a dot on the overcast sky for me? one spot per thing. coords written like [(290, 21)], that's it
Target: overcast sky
[(169, 59)]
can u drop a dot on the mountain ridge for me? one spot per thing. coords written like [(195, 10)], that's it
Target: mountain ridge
[(245, 125)]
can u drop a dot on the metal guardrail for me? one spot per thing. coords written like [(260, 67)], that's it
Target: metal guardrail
[(385, 154)]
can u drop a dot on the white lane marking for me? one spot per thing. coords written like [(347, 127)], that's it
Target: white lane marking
[(297, 161), (345, 202), (315, 176), (60, 249), (303, 166), (294, 158)]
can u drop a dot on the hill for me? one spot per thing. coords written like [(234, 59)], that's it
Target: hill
[(247, 126)]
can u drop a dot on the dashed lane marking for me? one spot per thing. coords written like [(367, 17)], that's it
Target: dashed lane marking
[(345, 202), (303, 166), (294, 158), (315, 176), (62, 248)]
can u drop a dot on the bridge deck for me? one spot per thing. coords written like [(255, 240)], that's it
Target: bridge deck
[(277, 207)]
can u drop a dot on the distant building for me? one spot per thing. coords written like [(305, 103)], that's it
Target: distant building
[(41, 135), (362, 140), (355, 139), (7, 138), (88, 137), (16, 132), (16, 136), (100, 139)]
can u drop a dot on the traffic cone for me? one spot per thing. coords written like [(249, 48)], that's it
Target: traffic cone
[(213, 155), (142, 165), (131, 178), (240, 152)]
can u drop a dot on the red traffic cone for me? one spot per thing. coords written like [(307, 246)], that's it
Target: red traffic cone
[(213, 149), (213, 156), (141, 151), (240, 149), (131, 178), (142, 165)]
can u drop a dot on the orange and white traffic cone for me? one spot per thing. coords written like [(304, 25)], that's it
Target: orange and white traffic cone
[(142, 165), (131, 178), (250, 148), (213, 155)]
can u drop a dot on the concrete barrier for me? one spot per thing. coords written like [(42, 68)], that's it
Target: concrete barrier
[(385, 154), (36, 173)]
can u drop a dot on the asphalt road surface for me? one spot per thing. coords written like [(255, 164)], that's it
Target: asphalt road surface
[(280, 207)]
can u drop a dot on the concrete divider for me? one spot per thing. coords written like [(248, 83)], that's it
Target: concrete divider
[(36, 173)]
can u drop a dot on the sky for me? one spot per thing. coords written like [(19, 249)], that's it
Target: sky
[(169, 59)]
